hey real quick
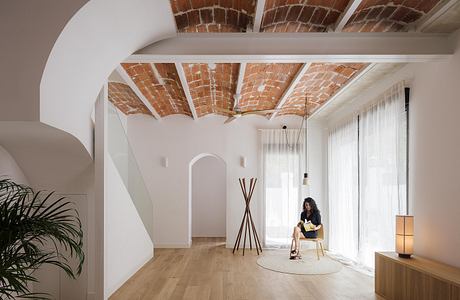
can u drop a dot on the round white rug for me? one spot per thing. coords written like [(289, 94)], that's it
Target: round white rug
[(309, 264)]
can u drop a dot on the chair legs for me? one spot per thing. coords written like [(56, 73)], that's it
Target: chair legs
[(317, 249), (322, 250)]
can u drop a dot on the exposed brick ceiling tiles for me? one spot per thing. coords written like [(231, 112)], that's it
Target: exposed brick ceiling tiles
[(300, 15), (214, 85), (125, 99), (160, 84), (214, 15), (264, 84), (383, 16), (320, 82), (297, 15), (211, 85)]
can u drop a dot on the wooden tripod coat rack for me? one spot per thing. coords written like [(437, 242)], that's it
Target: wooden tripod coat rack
[(247, 221)]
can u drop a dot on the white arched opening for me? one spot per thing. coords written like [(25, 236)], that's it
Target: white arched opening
[(207, 200), (94, 41)]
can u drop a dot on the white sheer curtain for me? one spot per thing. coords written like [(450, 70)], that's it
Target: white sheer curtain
[(282, 168), (382, 144), (343, 189)]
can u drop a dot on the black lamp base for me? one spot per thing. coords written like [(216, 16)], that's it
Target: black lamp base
[(404, 255)]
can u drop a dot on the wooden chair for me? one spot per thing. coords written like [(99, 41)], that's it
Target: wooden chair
[(318, 241)]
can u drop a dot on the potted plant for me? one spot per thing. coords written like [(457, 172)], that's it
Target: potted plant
[(36, 228)]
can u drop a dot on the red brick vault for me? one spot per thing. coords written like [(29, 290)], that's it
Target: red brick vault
[(125, 99), (211, 85), (213, 15), (384, 16), (264, 84), (199, 89), (160, 84), (301, 16)]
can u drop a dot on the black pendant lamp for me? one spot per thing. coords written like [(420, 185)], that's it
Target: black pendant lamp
[(305, 175)]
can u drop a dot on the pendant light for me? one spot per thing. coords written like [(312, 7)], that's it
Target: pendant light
[(305, 175)]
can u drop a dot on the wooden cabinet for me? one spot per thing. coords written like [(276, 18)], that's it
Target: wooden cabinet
[(415, 278)]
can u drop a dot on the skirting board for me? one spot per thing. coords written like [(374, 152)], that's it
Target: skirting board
[(91, 296), (110, 290)]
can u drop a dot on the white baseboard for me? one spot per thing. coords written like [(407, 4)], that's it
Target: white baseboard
[(130, 273), (91, 296)]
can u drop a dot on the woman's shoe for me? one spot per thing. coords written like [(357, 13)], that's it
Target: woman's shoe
[(295, 254)]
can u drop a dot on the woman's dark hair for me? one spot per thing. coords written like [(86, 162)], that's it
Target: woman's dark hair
[(312, 203)]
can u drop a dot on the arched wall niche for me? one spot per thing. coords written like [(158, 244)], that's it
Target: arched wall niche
[(190, 194)]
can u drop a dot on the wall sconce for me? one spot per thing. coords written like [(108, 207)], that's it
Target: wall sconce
[(405, 236), (243, 161), (165, 162)]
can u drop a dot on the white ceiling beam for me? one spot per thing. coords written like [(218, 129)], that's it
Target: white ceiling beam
[(346, 15), (239, 83), (398, 47), (340, 91), (440, 9), (290, 88), (183, 81), (136, 91), (259, 14)]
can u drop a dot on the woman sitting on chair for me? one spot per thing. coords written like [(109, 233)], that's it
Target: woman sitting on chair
[(310, 222)]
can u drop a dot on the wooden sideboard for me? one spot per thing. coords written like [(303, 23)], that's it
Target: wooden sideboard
[(416, 278)]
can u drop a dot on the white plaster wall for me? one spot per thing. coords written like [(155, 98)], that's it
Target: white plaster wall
[(10, 169), (97, 38), (27, 39), (127, 244), (53, 160), (208, 197), (55, 60), (181, 139), (317, 170), (435, 159), (434, 148)]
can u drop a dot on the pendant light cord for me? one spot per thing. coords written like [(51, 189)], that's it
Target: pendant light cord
[(306, 134)]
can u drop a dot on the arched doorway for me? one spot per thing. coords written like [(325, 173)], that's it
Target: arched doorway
[(207, 196)]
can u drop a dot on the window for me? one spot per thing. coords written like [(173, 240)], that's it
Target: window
[(367, 206), (282, 155)]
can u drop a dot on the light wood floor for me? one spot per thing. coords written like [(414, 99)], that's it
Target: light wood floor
[(210, 271)]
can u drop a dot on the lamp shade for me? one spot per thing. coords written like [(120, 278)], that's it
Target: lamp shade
[(405, 236), (305, 179)]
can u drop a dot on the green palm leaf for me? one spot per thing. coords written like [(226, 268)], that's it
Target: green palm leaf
[(29, 223)]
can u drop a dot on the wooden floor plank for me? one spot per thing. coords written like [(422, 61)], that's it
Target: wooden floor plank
[(208, 270)]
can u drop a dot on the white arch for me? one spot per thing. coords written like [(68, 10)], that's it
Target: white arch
[(95, 40), (190, 165)]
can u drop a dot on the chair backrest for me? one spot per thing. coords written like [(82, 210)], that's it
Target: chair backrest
[(321, 232)]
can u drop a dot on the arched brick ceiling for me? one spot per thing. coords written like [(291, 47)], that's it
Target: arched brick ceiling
[(211, 85), (320, 82), (301, 15), (160, 84), (384, 15), (264, 84), (213, 15), (125, 99)]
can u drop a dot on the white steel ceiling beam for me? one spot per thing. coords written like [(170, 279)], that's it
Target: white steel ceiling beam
[(298, 48), (346, 15), (183, 81), (340, 91), (136, 91), (239, 83), (290, 88), (440, 9), (259, 14)]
